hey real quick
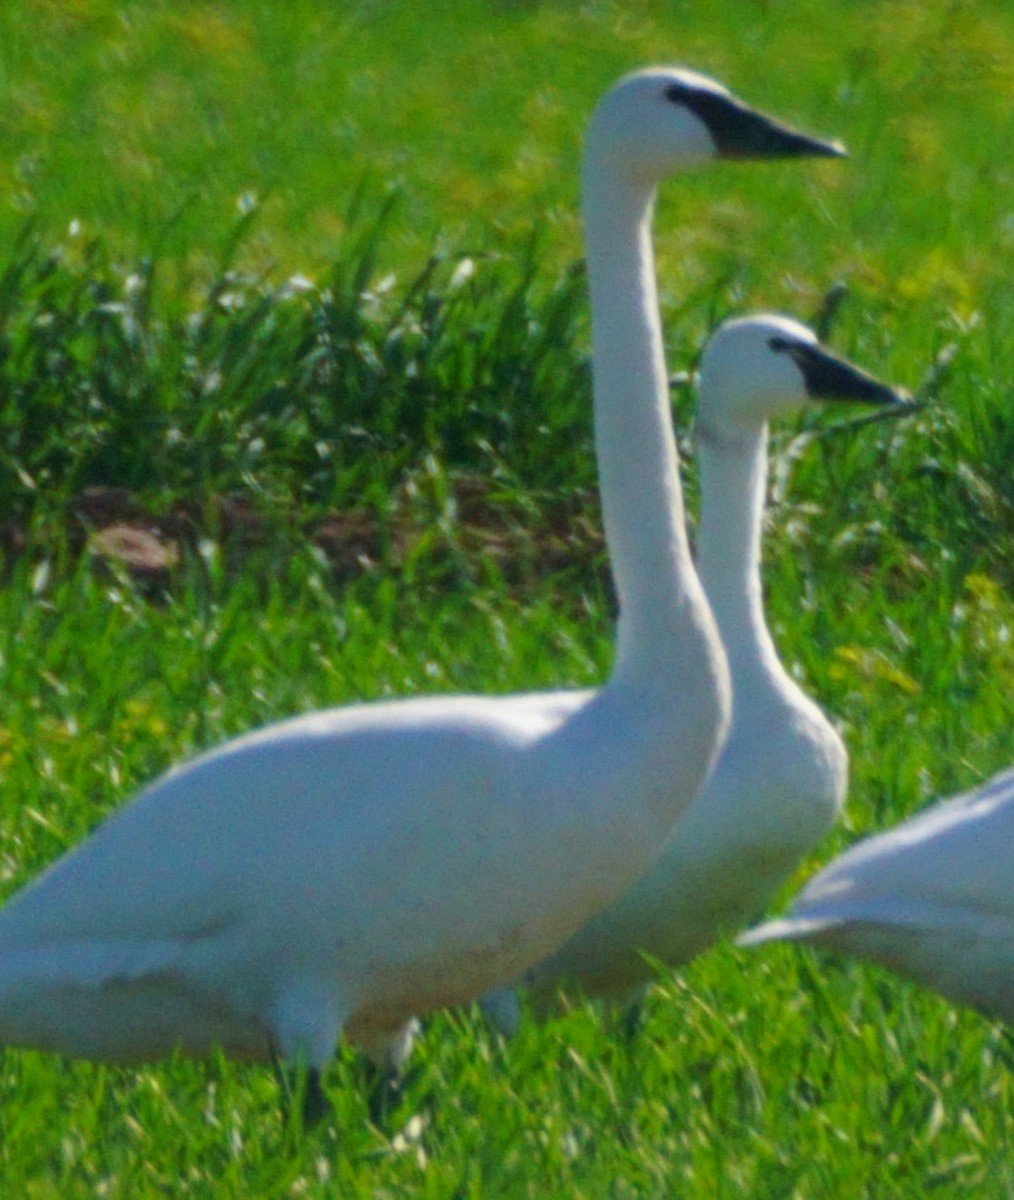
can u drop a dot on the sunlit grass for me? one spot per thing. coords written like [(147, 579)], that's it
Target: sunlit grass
[(150, 122), (775, 1073)]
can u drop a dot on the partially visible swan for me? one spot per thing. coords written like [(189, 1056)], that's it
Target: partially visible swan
[(781, 777), (932, 899), (336, 873)]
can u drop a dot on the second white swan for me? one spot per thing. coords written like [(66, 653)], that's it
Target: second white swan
[(781, 777)]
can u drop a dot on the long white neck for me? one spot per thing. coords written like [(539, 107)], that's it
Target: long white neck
[(733, 473), (664, 623)]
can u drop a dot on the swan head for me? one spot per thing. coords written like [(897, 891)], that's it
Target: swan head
[(660, 119), (755, 368)]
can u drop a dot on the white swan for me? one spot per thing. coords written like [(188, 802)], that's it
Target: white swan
[(932, 899), (781, 777), (336, 873)]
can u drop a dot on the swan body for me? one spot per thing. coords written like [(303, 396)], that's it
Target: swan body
[(781, 777), (338, 872), (932, 899)]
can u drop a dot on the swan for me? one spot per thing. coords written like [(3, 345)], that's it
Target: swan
[(333, 874), (781, 777), (932, 899)]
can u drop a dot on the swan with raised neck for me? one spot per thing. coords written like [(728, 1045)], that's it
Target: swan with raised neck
[(335, 873)]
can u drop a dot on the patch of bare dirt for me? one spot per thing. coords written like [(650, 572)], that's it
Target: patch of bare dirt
[(475, 522)]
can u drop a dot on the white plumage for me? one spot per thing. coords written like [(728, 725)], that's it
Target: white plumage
[(932, 899), (338, 872), (781, 777)]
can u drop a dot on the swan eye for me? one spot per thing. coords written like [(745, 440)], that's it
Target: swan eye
[(677, 93)]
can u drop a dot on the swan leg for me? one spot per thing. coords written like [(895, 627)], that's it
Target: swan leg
[(383, 1090), (307, 1026), (631, 1017), (301, 1089), (316, 1106), (384, 1069), (502, 1011)]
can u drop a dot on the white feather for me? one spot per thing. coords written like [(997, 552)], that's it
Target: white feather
[(932, 899)]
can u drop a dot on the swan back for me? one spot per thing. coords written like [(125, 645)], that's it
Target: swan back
[(932, 899), (955, 855)]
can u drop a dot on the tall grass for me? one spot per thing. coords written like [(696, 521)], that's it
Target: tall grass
[(353, 425)]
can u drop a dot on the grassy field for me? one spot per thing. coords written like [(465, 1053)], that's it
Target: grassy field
[(287, 294)]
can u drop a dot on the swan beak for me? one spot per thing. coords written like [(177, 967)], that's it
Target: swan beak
[(828, 377), (739, 131)]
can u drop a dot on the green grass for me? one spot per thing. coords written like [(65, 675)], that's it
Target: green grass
[(769, 1074), (358, 417)]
